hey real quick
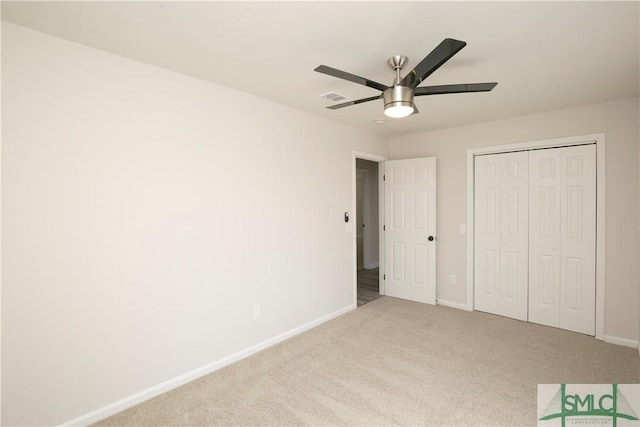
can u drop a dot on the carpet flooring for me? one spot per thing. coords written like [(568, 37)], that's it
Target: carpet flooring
[(394, 362)]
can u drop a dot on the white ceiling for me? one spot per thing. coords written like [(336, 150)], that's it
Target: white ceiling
[(544, 55)]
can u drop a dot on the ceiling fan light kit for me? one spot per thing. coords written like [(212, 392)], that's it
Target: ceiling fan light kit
[(398, 98), (398, 102)]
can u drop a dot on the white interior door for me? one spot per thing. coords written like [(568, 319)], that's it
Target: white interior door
[(410, 227), (501, 234), (562, 238)]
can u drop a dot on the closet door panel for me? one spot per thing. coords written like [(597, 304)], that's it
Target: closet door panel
[(562, 238), (514, 239), (578, 239), (487, 234), (501, 246), (544, 237)]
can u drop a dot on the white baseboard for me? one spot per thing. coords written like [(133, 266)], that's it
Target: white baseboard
[(372, 265), (621, 341), (452, 304), (134, 399)]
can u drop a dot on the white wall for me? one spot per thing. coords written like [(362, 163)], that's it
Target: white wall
[(145, 213), (619, 120)]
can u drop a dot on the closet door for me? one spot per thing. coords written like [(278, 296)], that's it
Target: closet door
[(562, 238), (501, 239)]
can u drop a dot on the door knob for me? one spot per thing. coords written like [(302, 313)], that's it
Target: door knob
[(430, 238)]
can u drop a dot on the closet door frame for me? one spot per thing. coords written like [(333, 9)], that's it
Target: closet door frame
[(599, 140)]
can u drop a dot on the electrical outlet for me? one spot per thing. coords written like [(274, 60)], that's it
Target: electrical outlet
[(452, 279), (256, 312)]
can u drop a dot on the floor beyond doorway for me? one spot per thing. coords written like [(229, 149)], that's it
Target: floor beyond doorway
[(368, 285)]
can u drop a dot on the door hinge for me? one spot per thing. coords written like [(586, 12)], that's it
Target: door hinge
[(384, 277), (384, 177), (384, 227)]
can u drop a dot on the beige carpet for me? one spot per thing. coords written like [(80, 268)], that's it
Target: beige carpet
[(394, 362)]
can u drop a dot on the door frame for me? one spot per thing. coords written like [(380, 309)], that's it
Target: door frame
[(380, 160), (599, 140)]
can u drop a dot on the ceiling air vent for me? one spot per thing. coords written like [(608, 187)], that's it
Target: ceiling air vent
[(333, 96)]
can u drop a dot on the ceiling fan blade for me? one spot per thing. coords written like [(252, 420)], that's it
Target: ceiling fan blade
[(357, 101), (438, 56), (443, 89), (350, 77)]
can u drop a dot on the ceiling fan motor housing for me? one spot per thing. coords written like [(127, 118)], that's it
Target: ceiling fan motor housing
[(398, 96)]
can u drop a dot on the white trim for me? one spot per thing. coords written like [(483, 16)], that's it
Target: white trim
[(452, 304), (134, 399), (600, 235), (621, 341), (599, 140), (470, 226), (380, 160), (545, 143), (381, 221)]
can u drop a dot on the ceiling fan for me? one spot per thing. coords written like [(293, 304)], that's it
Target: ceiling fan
[(398, 98)]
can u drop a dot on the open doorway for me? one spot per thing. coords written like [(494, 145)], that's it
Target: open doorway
[(367, 231)]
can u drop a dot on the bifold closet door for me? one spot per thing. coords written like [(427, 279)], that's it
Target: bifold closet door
[(562, 235), (501, 234)]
